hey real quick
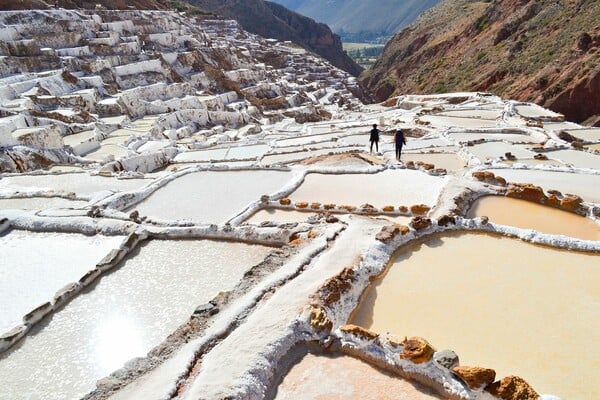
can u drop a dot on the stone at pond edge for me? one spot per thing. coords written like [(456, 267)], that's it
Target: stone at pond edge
[(359, 331), (419, 223), (389, 232), (417, 349), (475, 377), (319, 319), (446, 358), (526, 191), (445, 220), (512, 388), (420, 209)]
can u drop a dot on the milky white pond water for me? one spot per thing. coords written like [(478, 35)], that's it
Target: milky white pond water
[(492, 150), (450, 162), (201, 155), (126, 314), (107, 150), (591, 135), (528, 215), (458, 121), (40, 203), (342, 378), (390, 187), (77, 183), (281, 216), (211, 196), (503, 304), (579, 159), (36, 265)]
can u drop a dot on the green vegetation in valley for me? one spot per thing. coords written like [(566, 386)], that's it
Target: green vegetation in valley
[(365, 54)]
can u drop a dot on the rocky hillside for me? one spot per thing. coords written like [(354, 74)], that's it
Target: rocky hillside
[(274, 21), (359, 20), (544, 51)]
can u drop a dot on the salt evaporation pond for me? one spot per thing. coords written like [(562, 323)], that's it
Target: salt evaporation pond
[(390, 187), (493, 150), (36, 265), (342, 378), (82, 183), (281, 216), (459, 122), (40, 203), (448, 161), (528, 215), (584, 185), (500, 303), (125, 315), (211, 196), (579, 159)]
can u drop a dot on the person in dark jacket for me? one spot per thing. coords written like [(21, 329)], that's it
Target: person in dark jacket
[(374, 138), (400, 141)]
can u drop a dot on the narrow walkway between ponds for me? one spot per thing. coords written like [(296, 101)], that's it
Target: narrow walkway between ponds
[(241, 365)]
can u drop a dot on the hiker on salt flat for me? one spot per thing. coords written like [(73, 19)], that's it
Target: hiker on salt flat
[(375, 138), (400, 140)]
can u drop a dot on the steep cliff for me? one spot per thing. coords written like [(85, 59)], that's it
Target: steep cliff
[(272, 20), (544, 51)]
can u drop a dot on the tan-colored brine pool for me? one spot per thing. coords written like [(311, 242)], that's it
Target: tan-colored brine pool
[(321, 377), (501, 303), (528, 215)]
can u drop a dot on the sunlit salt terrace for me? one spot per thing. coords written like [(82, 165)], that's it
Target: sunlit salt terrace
[(173, 230)]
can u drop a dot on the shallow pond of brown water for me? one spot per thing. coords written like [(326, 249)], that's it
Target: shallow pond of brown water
[(500, 303)]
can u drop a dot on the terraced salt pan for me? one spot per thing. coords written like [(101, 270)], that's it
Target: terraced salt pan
[(534, 111), (342, 377), (528, 215), (201, 155), (458, 122), (579, 159), (475, 113), (532, 162), (492, 150), (285, 158), (40, 203), (590, 135), (243, 152), (390, 187), (126, 314), (306, 140), (559, 126), (107, 151), (450, 162), (78, 183), (277, 215), (594, 146), (211, 196), (584, 185), (36, 265), (504, 304), (412, 144), (509, 137)]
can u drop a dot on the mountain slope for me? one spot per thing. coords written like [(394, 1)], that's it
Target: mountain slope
[(359, 19), (275, 21), (543, 51)]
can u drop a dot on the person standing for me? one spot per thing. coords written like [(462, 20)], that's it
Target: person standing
[(374, 138), (400, 141)]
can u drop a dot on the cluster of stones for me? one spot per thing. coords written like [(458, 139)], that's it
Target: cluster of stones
[(71, 78), (364, 209), (419, 351)]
